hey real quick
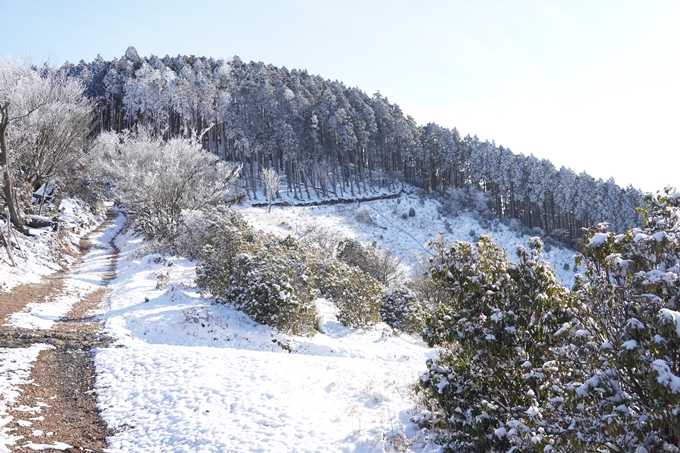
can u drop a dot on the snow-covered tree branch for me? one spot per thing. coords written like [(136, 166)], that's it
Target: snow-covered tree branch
[(161, 179)]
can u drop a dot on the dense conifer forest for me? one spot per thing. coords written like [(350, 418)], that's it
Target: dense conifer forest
[(328, 139)]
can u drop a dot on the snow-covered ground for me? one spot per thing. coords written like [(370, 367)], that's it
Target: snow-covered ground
[(186, 375), (35, 259), (382, 221)]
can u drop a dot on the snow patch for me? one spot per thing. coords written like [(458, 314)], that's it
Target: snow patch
[(672, 315)]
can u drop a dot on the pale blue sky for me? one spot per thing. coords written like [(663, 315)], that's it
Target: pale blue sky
[(593, 85)]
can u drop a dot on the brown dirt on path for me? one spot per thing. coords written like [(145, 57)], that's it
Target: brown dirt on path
[(62, 387), (62, 379), (22, 295)]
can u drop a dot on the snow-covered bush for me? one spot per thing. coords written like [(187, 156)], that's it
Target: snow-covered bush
[(274, 287), (401, 310), (357, 295), (629, 310), (490, 383), (191, 234), (266, 277), (529, 367), (216, 241), (160, 179), (318, 238)]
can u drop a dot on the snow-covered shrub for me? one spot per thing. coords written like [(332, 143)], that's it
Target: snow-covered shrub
[(191, 234), (411, 212), (629, 306), (537, 370), (224, 234), (490, 383), (316, 236), (364, 216), (357, 295), (160, 179), (352, 253), (401, 310), (265, 277), (274, 287)]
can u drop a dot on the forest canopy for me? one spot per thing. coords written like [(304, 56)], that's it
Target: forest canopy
[(330, 139)]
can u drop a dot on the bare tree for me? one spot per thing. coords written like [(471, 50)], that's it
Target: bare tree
[(271, 181), (387, 267), (160, 179), (44, 121)]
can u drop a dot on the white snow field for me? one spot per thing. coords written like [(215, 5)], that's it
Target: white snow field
[(189, 376)]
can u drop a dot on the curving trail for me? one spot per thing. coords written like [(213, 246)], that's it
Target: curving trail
[(46, 366)]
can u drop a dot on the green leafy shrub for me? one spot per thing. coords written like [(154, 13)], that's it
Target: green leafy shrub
[(265, 277), (488, 383), (401, 310), (356, 294)]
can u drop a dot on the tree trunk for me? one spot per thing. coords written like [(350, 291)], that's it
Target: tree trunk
[(8, 183)]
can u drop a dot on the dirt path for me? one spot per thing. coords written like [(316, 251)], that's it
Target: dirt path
[(58, 405)]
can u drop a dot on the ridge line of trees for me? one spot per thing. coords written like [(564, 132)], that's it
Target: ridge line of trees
[(328, 139)]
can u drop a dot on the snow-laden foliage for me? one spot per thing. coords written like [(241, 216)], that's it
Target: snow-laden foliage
[(274, 287), (629, 303), (401, 310), (160, 179), (264, 276), (524, 365), (271, 279), (44, 123), (356, 294), (488, 385)]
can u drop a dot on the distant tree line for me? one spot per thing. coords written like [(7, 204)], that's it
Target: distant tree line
[(331, 140)]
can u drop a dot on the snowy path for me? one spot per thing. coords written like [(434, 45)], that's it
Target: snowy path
[(85, 278), (43, 376), (15, 369)]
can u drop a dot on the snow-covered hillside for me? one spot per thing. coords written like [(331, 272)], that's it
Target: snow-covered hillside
[(383, 221), (188, 375)]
